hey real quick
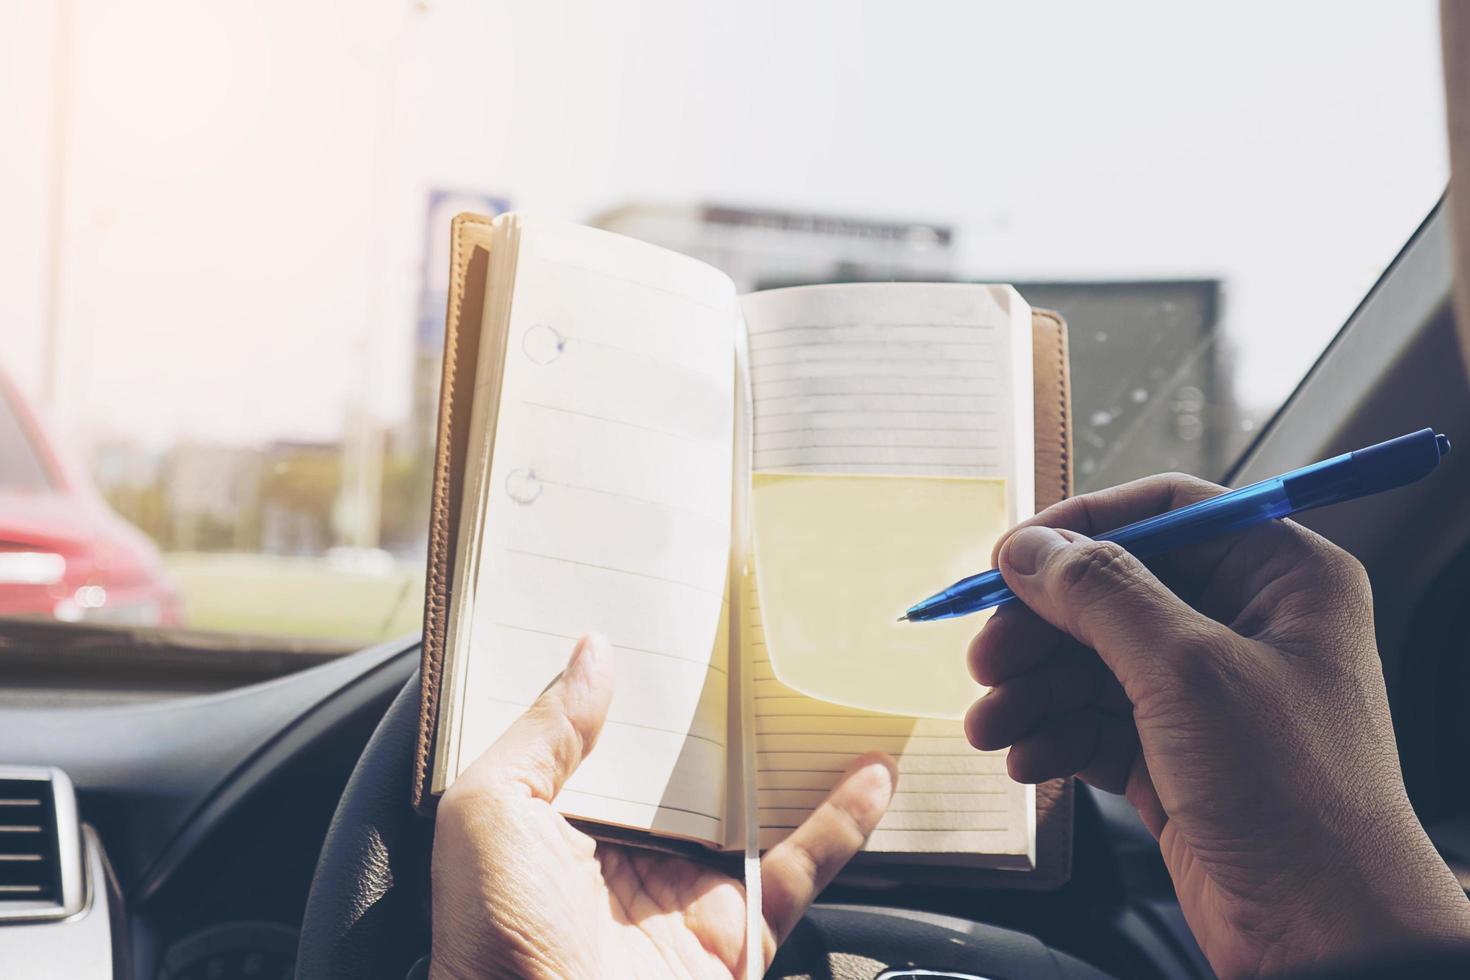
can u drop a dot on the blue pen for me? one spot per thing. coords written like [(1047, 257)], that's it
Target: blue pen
[(1356, 474)]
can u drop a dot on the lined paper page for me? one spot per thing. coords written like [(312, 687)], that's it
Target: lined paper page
[(894, 378), (903, 380), (950, 798), (608, 509)]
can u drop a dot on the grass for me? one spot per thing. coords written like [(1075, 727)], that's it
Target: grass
[(297, 597)]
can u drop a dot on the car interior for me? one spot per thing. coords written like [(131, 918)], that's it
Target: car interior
[(258, 822), (206, 802)]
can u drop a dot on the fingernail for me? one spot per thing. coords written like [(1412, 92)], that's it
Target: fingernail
[(589, 648), (1028, 549)]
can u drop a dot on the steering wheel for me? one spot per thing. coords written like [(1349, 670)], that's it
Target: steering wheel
[(367, 917)]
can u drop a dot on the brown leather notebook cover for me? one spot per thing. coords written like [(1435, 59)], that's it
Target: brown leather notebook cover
[(470, 261)]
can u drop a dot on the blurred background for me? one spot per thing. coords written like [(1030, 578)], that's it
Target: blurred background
[(223, 232)]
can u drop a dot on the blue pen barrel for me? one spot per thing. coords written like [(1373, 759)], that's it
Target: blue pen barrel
[(977, 592), (1376, 468), (1356, 474), (1232, 511), (1225, 514)]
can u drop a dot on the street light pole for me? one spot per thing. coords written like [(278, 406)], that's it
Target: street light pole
[(361, 497), (56, 206)]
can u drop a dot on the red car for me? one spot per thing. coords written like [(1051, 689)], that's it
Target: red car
[(64, 553)]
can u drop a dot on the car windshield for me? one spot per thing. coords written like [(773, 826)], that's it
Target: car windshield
[(224, 271)]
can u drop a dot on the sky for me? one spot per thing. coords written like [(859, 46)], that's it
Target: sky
[(243, 194)]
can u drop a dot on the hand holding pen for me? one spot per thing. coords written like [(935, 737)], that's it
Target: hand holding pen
[(1232, 691)]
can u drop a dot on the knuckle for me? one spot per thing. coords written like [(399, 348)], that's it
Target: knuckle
[(563, 740), (1099, 568), (1336, 566), (1342, 583), (461, 801), (1348, 571), (454, 801)]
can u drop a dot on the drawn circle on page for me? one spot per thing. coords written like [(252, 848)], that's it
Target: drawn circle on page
[(543, 344), (523, 486)]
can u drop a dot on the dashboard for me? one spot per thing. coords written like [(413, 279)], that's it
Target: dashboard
[(211, 810), (233, 951)]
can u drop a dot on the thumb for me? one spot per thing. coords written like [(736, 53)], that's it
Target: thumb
[(543, 747), (1105, 598)]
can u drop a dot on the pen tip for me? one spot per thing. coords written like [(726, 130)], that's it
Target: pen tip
[(904, 618)]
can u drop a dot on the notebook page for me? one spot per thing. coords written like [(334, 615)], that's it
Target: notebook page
[(894, 378), (902, 380), (950, 798), (607, 508)]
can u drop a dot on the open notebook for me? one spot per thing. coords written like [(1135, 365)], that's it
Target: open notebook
[(741, 493)]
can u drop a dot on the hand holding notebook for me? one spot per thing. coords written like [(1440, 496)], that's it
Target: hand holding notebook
[(580, 910)]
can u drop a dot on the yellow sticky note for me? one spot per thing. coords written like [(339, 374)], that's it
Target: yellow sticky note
[(839, 558)]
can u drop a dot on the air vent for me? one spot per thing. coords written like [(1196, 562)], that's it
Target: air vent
[(40, 845)]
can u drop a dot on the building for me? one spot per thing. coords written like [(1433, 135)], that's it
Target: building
[(754, 246), (1151, 387)]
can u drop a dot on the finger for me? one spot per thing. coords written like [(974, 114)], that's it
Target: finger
[(1231, 565), (1106, 599), (1097, 747), (1064, 683), (1013, 641), (797, 869), (1096, 513), (541, 750), (1106, 510), (1283, 583)]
